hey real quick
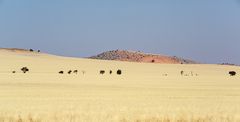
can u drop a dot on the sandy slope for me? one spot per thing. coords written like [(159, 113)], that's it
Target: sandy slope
[(144, 92)]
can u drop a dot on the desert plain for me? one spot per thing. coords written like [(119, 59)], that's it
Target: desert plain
[(144, 92)]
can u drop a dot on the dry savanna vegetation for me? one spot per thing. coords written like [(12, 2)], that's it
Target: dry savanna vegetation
[(144, 92)]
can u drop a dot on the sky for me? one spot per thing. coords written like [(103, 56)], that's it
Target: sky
[(203, 30)]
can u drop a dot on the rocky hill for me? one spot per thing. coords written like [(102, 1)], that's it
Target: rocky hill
[(133, 56)]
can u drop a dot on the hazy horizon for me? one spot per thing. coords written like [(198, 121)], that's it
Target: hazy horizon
[(205, 31)]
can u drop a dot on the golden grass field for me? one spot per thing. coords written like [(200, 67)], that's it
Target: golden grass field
[(143, 93)]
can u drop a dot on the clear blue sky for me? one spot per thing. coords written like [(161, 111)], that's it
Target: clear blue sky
[(203, 30)]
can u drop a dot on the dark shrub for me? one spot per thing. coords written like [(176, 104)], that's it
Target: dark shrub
[(232, 73), (60, 72), (25, 69), (75, 71), (102, 72), (182, 72), (119, 72)]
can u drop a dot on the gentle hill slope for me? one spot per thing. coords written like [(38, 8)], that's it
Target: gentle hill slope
[(143, 92), (14, 59), (18, 51)]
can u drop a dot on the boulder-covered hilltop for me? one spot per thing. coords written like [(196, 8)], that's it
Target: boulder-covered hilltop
[(133, 56)]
